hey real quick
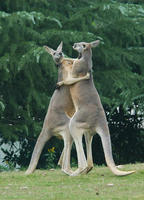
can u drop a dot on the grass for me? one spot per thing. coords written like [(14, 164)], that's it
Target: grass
[(99, 184)]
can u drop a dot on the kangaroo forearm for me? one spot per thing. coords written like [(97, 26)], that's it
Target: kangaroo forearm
[(69, 59), (73, 80)]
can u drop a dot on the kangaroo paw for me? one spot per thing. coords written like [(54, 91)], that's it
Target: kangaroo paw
[(79, 171), (67, 171)]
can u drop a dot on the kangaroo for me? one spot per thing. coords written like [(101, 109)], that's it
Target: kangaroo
[(89, 117), (57, 119)]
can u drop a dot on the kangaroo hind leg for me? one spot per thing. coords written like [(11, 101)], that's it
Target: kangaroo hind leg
[(42, 139), (65, 157), (61, 158), (77, 134), (88, 139)]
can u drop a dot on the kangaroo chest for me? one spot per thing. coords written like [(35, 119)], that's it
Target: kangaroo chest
[(80, 68)]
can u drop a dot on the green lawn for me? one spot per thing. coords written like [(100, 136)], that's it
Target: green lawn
[(99, 184)]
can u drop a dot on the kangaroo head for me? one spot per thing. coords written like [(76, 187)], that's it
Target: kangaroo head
[(57, 54), (81, 47)]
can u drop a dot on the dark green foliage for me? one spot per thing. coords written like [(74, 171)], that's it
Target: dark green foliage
[(28, 74), (127, 136)]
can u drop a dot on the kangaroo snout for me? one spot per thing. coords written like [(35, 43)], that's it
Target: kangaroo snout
[(74, 46)]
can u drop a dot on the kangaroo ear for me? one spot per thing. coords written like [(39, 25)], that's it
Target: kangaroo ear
[(60, 47), (49, 50), (95, 43)]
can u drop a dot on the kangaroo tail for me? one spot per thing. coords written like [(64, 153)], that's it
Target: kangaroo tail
[(106, 142)]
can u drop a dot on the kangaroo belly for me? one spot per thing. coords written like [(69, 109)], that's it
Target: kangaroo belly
[(60, 109), (89, 117), (89, 109)]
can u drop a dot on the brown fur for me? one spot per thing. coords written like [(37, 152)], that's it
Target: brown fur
[(89, 117), (56, 122)]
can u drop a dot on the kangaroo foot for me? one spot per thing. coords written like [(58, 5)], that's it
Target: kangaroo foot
[(89, 168), (28, 172), (79, 171), (67, 171)]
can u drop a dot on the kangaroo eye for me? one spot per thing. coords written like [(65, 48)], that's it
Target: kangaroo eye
[(60, 53), (54, 53), (84, 45)]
